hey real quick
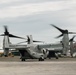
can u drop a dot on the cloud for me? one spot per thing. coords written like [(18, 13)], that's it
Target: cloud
[(34, 8), (35, 16)]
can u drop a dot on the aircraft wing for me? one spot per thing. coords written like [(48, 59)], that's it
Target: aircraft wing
[(13, 46), (50, 47), (56, 49)]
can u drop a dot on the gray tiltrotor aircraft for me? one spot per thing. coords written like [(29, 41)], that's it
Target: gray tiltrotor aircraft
[(65, 39), (27, 51), (31, 50)]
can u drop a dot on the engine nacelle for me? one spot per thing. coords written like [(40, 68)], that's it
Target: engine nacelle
[(6, 52)]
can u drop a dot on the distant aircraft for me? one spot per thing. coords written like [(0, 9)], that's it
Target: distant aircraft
[(65, 39)]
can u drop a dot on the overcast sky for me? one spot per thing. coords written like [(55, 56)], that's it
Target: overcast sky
[(33, 17)]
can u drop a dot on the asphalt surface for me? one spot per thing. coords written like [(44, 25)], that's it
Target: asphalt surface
[(61, 66)]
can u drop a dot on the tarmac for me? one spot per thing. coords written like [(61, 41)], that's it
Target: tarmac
[(14, 66)]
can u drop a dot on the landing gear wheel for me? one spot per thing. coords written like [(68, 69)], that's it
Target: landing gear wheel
[(49, 57), (41, 59), (22, 59), (5, 55), (56, 57)]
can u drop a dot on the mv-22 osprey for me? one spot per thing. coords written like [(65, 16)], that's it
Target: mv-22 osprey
[(27, 51)]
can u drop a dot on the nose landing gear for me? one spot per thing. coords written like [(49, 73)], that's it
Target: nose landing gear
[(41, 59)]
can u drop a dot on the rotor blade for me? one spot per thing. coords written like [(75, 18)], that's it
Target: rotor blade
[(72, 38), (6, 30), (5, 27), (61, 30), (71, 32), (11, 35), (22, 42), (6, 33), (59, 36), (28, 39), (2, 35)]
